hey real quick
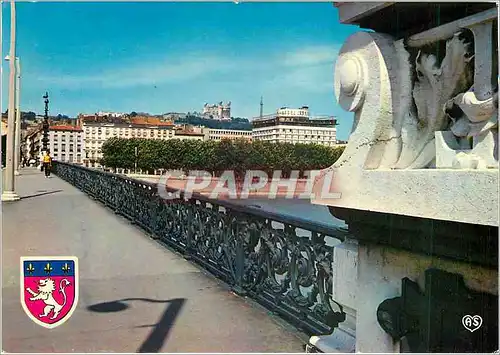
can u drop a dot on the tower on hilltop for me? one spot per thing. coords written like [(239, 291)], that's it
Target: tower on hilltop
[(261, 107)]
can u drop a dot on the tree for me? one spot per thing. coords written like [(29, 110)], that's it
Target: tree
[(217, 156), (133, 114), (29, 116)]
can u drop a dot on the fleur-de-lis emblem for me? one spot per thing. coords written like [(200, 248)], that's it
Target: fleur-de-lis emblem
[(66, 268), (48, 268), (30, 269)]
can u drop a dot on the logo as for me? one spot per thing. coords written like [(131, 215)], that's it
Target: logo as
[(49, 289), (472, 323)]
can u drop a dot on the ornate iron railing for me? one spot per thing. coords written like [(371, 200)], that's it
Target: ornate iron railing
[(288, 273)]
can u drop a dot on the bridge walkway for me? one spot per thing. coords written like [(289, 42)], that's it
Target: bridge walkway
[(135, 295)]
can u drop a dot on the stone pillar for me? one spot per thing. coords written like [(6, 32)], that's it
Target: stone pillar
[(344, 267), (419, 177)]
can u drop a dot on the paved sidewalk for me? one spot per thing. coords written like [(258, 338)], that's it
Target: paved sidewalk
[(175, 306)]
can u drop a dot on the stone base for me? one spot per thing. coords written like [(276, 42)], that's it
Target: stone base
[(339, 341), (10, 196), (380, 271), (466, 196), (344, 290)]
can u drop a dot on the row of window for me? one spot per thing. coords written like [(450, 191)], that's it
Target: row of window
[(140, 130), (296, 131), (295, 135), (329, 143), (221, 138), (55, 148), (70, 157), (70, 138), (232, 133)]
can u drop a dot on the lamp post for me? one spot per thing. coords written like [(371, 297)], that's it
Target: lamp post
[(17, 144), (135, 163), (45, 125), (9, 194), (17, 155)]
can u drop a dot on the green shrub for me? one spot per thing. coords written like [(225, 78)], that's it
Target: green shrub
[(217, 156)]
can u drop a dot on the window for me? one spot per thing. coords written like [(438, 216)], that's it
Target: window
[(63, 138), (71, 147), (63, 147), (63, 157), (78, 148), (56, 148), (71, 158)]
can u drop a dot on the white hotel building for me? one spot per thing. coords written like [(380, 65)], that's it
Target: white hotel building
[(295, 126), (96, 133), (66, 143)]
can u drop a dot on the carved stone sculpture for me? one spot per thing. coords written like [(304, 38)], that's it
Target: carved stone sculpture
[(425, 116), (402, 98)]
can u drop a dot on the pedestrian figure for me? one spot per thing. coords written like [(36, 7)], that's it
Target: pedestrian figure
[(47, 164)]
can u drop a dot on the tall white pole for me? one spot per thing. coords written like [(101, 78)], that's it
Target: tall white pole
[(17, 152), (9, 194)]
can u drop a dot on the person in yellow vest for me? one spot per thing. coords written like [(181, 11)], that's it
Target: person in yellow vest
[(47, 163)]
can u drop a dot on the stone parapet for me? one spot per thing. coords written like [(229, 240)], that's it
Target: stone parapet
[(418, 180)]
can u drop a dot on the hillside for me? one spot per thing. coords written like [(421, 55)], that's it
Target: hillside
[(235, 123)]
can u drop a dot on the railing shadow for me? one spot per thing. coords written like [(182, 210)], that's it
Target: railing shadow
[(157, 337), (42, 193)]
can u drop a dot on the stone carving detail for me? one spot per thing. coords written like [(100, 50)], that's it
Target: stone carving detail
[(434, 86), (413, 112), (474, 113)]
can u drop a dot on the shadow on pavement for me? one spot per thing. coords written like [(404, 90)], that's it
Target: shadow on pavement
[(42, 193), (157, 337)]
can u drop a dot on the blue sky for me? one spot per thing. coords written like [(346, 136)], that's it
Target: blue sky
[(163, 57)]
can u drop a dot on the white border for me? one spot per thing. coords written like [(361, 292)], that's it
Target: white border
[(76, 285)]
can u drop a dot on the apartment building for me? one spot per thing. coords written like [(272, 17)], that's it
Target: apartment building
[(189, 135), (295, 126), (66, 143), (219, 134), (96, 133), (33, 143)]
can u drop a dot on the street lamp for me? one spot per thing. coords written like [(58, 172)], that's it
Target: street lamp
[(45, 125), (17, 144), (8, 193), (136, 155)]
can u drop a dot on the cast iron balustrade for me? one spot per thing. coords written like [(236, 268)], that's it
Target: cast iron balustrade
[(288, 273)]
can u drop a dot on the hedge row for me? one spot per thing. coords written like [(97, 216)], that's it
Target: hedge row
[(217, 156)]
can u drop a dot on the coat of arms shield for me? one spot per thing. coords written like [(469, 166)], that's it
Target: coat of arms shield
[(49, 289)]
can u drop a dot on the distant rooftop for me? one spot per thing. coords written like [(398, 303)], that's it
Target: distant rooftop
[(150, 121), (65, 128)]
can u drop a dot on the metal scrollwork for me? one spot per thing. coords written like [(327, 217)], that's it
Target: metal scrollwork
[(289, 274)]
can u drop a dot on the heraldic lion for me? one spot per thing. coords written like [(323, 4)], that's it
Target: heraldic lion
[(46, 288)]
